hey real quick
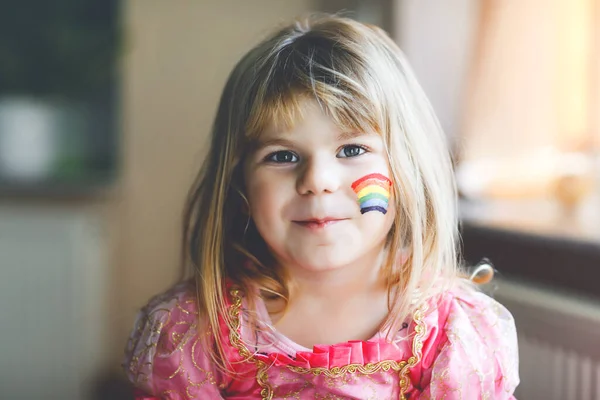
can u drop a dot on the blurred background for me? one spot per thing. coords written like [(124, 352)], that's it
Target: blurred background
[(105, 109)]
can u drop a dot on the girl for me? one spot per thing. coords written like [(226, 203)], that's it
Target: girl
[(322, 237)]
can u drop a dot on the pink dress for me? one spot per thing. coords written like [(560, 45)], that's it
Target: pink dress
[(463, 347)]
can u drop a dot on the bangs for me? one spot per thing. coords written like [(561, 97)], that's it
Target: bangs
[(314, 69)]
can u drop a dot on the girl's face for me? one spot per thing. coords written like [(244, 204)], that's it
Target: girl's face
[(299, 186)]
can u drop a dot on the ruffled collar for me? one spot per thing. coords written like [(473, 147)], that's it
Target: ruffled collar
[(285, 352)]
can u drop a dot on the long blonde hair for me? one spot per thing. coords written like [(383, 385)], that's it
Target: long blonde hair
[(362, 81)]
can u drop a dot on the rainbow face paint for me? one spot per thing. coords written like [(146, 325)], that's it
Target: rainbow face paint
[(373, 193)]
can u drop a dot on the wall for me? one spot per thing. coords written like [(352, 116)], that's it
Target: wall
[(438, 39)]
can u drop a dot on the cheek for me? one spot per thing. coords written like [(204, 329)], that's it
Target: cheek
[(391, 215), (265, 199), (374, 193)]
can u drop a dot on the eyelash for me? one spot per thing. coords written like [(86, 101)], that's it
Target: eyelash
[(270, 157)]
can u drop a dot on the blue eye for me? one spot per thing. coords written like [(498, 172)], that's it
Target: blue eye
[(282, 157), (351, 150)]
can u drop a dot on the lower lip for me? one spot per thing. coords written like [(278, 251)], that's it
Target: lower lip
[(313, 225)]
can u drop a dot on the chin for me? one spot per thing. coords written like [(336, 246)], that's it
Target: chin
[(321, 267), (318, 264)]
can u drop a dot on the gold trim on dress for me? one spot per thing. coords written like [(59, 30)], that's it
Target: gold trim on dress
[(235, 338), (266, 393), (337, 372), (417, 350)]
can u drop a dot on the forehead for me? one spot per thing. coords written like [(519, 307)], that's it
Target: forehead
[(308, 116), (300, 114), (312, 126)]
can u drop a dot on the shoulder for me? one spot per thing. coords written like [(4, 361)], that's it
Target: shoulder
[(163, 314), (474, 344), (467, 307), (481, 325), (164, 352), (177, 303)]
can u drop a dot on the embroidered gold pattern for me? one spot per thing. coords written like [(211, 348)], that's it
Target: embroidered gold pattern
[(417, 350), (235, 339), (337, 372), (152, 340), (266, 393)]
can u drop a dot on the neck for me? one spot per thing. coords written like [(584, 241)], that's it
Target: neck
[(345, 303), (361, 278)]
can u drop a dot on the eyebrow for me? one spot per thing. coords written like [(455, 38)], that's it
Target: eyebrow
[(344, 135), (261, 144)]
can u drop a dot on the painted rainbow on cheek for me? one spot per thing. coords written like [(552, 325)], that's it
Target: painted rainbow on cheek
[(373, 193)]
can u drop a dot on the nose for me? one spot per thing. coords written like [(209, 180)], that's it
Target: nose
[(318, 176)]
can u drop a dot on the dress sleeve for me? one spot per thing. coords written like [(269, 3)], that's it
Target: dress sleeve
[(165, 358), (477, 356)]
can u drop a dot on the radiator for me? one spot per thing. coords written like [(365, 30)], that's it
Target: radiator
[(559, 341), (52, 301)]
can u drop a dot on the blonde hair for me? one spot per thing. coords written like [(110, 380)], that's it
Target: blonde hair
[(362, 81)]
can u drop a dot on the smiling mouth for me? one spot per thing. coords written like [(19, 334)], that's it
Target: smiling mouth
[(316, 224)]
